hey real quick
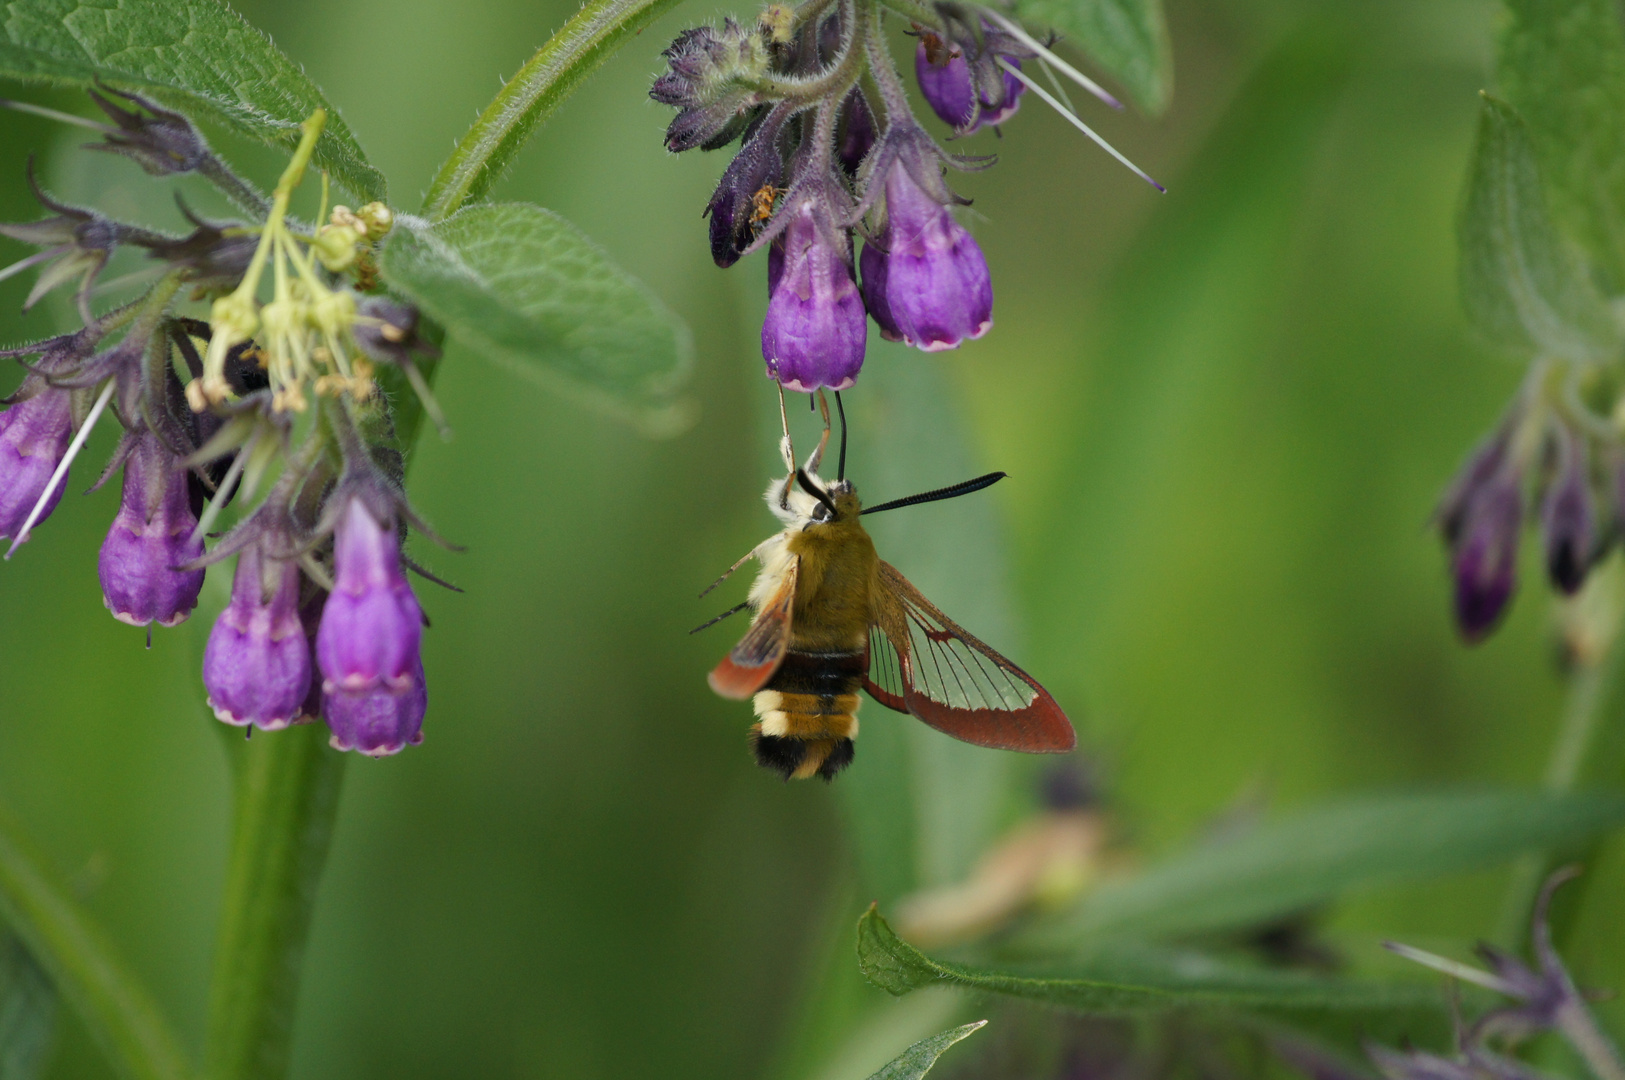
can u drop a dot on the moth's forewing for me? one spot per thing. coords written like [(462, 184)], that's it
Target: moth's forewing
[(752, 662), (943, 675)]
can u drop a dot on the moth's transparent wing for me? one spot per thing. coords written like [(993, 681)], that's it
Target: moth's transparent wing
[(885, 680), (959, 685), (753, 661)]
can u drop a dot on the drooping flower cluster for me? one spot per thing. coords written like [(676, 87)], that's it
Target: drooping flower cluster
[(274, 392), (831, 154), (1552, 459)]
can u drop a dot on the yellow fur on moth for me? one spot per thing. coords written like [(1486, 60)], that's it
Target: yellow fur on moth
[(820, 591)]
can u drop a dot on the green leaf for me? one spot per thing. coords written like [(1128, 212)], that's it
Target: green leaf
[(1563, 66), (1520, 281), (198, 56), (555, 72), (526, 289), (287, 795), (119, 1013), (917, 1060), (1129, 978), (1323, 853), (1128, 38)]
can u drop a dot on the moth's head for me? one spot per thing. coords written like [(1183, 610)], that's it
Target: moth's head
[(803, 499)]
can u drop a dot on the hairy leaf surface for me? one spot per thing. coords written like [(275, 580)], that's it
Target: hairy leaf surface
[(1129, 977), (523, 287), (1520, 280), (917, 1060), (1563, 66), (198, 56)]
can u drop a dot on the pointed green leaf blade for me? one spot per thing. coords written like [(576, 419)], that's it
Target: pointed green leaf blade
[(1521, 283), (1131, 977), (1127, 38), (1563, 66), (198, 56), (523, 287), (1323, 853), (917, 1060)]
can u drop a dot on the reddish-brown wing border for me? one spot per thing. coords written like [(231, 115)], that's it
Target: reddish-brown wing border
[(1039, 727), (753, 661)]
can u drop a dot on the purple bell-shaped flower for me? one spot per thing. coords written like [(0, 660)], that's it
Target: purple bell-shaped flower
[(379, 721), (954, 96), (371, 626), (257, 664), (925, 279), (151, 539), (34, 436), (815, 331)]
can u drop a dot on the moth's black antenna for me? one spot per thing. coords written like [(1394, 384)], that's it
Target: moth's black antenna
[(840, 471), (736, 609), (812, 489), (951, 492)]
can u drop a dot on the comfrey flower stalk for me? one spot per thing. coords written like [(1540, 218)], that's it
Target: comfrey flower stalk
[(272, 391), (831, 152)]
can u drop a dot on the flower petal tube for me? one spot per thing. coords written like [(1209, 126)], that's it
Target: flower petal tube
[(926, 282), (34, 435), (815, 331), (257, 664), (150, 539), (371, 626)]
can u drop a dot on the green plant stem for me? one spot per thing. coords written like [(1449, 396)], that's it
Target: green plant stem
[(1580, 753), (83, 965), (287, 796), (530, 97)]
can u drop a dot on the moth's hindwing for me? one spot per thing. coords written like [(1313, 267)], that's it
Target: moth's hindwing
[(752, 662), (923, 663)]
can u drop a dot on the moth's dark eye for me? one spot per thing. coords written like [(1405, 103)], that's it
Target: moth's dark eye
[(820, 513)]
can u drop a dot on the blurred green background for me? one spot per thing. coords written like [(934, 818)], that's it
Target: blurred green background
[(1226, 413)]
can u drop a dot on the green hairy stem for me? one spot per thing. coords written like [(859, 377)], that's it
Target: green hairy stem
[(286, 800)]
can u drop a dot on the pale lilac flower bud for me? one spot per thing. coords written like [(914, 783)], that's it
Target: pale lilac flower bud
[(925, 281), (379, 721), (257, 663), (814, 333), (371, 626), (34, 436), (150, 539)]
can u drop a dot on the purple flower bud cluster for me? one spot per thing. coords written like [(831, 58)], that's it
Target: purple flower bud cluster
[(821, 169), (1541, 464), (321, 621)]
